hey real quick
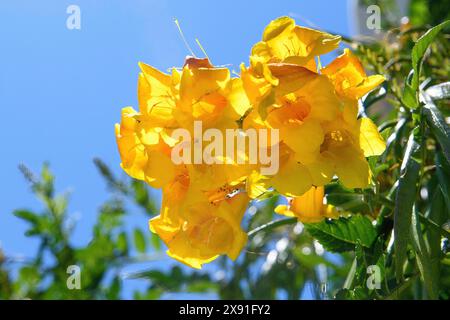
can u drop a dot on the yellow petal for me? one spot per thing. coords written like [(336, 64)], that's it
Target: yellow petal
[(349, 77), (159, 170), (132, 151), (304, 139), (238, 98), (155, 95), (370, 140), (284, 210), (278, 26), (321, 171), (197, 83), (365, 86), (319, 94), (316, 41), (291, 77), (293, 179), (255, 185), (351, 167), (181, 250), (199, 232), (350, 112), (309, 206), (283, 41)]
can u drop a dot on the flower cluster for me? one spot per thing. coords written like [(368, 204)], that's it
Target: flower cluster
[(314, 109)]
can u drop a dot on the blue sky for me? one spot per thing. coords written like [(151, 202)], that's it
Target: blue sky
[(61, 90)]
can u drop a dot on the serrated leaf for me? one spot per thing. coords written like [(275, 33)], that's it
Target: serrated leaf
[(404, 201), (139, 240), (344, 233)]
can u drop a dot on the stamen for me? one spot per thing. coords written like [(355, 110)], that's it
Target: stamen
[(183, 37)]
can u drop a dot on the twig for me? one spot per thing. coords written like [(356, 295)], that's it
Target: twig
[(271, 225)]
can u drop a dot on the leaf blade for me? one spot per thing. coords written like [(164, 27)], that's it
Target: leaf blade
[(344, 233), (404, 201)]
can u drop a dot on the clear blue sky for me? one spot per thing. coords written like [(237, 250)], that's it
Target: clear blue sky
[(61, 91)]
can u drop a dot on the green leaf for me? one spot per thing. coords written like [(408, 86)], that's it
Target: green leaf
[(346, 199), (438, 215), (202, 286), (122, 242), (429, 277), (395, 140), (156, 241), (375, 96), (139, 240), (409, 95), (439, 91), (27, 215), (359, 293), (404, 201), (344, 233), (443, 172), (140, 192), (421, 47), (143, 197), (113, 292), (439, 128)]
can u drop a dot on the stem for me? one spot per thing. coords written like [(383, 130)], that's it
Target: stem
[(271, 225), (385, 202), (434, 225), (348, 284), (402, 287), (390, 204)]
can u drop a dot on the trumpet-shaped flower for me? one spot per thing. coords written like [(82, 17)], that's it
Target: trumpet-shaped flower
[(138, 160), (199, 233), (308, 207), (302, 102), (283, 41), (349, 77)]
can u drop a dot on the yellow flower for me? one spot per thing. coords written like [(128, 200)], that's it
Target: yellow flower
[(303, 102), (132, 151), (319, 130), (199, 233), (202, 93), (167, 102), (308, 207), (139, 160), (283, 41), (157, 92), (345, 148), (349, 77)]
